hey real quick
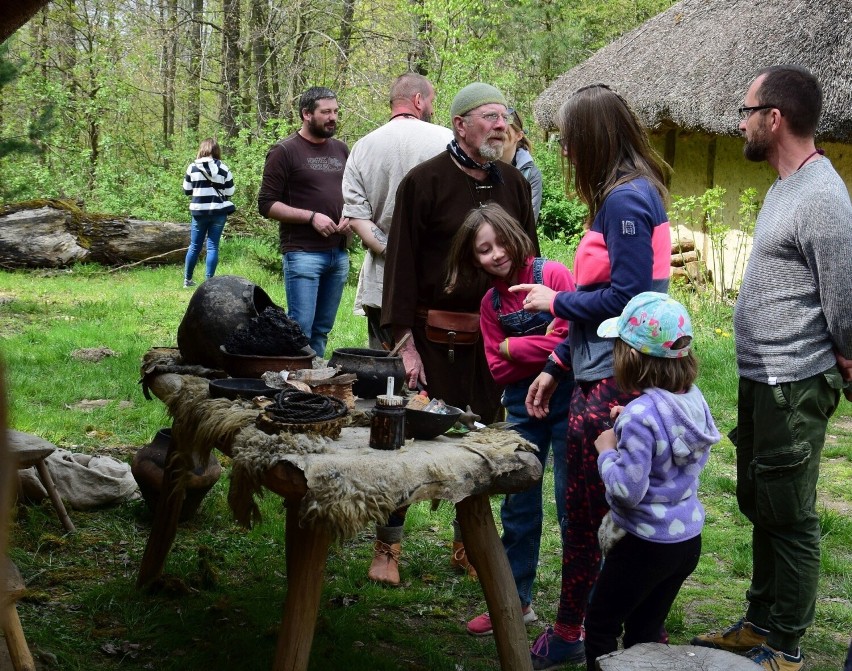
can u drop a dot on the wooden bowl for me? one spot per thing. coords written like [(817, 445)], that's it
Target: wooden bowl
[(428, 425), (240, 387), (249, 365)]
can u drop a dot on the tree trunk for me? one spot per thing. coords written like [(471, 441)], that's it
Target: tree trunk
[(418, 58), (344, 44), (229, 98), (169, 68), (196, 31), (297, 62), (260, 55), (55, 234)]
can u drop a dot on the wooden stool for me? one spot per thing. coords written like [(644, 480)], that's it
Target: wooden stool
[(13, 585), (662, 657), (29, 450)]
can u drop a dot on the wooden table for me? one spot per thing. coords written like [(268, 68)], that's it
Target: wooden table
[(306, 545)]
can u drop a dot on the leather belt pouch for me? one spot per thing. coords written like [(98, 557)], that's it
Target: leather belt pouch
[(452, 328)]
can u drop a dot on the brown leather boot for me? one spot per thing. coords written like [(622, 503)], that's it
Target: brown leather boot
[(385, 566), (460, 560)]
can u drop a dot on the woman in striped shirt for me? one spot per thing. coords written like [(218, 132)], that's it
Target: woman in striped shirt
[(209, 184)]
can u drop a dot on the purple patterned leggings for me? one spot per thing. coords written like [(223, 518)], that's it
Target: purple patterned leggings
[(585, 505)]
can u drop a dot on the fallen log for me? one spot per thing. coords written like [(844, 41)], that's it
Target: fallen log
[(56, 234)]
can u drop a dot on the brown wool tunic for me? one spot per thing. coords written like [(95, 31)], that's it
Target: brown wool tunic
[(307, 175), (431, 203)]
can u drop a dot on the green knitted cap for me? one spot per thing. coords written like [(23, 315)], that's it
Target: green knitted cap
[(474, 95)]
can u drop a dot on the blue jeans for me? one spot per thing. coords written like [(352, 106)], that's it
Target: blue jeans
[(211, 227), (521, 513), (313, 282)]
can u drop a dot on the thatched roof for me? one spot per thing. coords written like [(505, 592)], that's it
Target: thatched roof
[(691, 65)]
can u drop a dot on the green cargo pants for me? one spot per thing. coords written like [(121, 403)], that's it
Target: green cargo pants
[(779, 438)]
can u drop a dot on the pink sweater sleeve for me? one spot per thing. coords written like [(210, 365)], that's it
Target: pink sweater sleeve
[(527, 354)]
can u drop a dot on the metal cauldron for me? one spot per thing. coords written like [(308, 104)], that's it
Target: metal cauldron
[(372, 367)]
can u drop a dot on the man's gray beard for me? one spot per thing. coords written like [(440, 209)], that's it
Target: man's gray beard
[(490, 152)]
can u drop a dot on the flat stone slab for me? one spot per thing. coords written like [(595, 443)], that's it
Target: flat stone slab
[(662, 657)]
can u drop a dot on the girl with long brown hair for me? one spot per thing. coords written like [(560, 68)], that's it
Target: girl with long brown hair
[(626, 250)]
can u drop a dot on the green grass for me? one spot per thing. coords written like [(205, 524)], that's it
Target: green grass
[(222, 605)]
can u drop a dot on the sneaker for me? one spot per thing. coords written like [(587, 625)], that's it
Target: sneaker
[(188, 283), (739, 638), (551, 651), (775, 660), (481, 626)]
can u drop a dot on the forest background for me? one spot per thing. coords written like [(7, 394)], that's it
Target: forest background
[(112, 97)]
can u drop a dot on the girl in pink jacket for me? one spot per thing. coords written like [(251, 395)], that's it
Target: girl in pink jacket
[(517, 343)]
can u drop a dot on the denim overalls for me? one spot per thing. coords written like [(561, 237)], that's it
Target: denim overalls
[(522, 322), (522, 513)]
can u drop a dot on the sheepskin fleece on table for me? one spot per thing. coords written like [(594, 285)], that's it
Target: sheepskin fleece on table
[(350, 485)]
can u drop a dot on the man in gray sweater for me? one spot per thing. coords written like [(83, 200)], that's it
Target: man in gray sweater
[(793, 330)]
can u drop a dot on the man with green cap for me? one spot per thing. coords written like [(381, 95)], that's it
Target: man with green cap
[(431, 203)]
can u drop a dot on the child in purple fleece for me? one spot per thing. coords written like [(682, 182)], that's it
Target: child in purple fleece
[(649, 463)]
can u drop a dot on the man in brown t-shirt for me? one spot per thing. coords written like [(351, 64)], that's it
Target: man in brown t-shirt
[(301, 189)]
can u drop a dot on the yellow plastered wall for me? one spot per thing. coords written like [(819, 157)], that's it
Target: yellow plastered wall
[(701, 161)]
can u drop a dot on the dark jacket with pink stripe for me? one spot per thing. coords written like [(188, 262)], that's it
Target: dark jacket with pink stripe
[(626, 251)]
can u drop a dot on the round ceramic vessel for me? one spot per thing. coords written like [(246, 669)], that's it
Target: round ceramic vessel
[(372, 367), (427, 425)]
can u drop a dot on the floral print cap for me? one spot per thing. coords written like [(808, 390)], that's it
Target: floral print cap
[(652, 323)]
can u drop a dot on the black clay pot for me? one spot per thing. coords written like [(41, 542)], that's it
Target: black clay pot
[(372, 367), (148, 469), (217, 308)]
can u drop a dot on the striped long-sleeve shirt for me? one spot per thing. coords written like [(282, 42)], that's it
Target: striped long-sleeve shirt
[(209, 183)]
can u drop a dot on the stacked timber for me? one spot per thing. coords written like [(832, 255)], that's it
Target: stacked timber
[(686, 264)]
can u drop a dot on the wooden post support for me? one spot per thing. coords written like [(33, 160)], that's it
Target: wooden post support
[(486, 553), (11, 589), (307, 552), (50, 486), (31, 451)]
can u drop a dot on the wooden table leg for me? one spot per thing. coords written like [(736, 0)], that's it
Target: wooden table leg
[(165, 522), (307, 552), (486, 553), (50, 486)]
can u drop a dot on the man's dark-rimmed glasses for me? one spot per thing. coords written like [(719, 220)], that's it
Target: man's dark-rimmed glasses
[(745, 112)]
